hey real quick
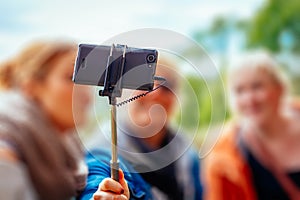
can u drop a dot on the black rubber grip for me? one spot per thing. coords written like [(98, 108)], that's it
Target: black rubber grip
[(114, 171)]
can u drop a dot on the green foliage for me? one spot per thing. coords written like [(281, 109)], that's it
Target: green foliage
[(295, 81), (216, 37), (218, 26), (208, 108), (271, 21)]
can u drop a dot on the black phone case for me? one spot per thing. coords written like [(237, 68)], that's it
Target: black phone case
[(138, 72)]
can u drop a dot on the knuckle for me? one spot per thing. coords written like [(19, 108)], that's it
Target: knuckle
[(104, 184)]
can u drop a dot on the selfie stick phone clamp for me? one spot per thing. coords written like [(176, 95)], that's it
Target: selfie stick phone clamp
[(113, 90)]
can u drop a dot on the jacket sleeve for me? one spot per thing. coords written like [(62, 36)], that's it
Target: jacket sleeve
[(99, 169), (98, 162)]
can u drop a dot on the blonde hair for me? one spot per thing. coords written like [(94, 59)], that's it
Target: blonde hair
[(262, 61), (33, 62)]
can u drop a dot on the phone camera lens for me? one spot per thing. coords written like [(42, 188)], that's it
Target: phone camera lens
[(151, 58)]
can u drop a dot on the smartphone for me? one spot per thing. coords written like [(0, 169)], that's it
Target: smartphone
[(138, 71)]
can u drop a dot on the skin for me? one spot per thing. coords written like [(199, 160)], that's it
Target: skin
[(55, 93), (110, 189), (257, 98), (256, 95), (150, 115)]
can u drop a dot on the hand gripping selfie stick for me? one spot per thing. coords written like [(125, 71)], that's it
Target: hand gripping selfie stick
[(113, 90)]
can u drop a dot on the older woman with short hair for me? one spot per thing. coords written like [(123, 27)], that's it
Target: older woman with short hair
[(257, 157)]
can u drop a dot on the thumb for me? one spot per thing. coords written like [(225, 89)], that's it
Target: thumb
[(123, 182)]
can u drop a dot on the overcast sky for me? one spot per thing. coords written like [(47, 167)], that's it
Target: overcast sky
[(95, 21)]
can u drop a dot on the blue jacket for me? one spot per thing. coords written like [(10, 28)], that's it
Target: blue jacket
[(98, 162), (178, 152)]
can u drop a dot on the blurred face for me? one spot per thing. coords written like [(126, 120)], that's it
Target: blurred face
[(54, 93), (152, 112), (256, 96)]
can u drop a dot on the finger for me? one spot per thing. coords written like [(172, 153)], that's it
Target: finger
[(111, 185), (123, 182), (121, 177), (101, 195)]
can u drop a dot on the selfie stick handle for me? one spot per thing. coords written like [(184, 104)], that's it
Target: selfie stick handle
[(114, 163)]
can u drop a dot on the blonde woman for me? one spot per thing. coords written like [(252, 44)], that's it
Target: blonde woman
[(258, 155), (40, 157)]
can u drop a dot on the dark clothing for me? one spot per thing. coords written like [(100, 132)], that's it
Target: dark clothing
[(266, 186), (172, 170), (164, 179)]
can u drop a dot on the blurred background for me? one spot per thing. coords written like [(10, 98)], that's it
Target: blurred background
[(225, 29)]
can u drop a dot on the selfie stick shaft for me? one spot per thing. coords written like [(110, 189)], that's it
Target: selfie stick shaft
[(114, 163), (113, 90)]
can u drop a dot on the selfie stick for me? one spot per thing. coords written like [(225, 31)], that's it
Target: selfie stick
[(113, 90)]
